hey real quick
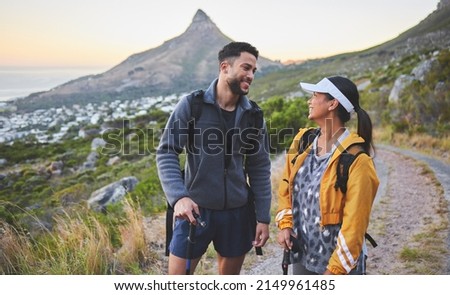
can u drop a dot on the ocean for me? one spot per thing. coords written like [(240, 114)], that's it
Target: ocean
[(18, 82)]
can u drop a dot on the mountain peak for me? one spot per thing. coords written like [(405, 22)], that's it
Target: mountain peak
[(201, 22), (200, 16), (443, 3)]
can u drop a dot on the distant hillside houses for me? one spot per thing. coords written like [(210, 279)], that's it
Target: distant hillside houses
[(51, 125)]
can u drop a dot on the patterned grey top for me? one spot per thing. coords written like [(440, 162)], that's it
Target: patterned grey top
[(316, 244)]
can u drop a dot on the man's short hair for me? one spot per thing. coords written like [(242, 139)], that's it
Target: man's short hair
[(234, 49)]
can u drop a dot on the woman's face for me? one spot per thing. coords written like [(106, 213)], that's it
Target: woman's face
[(319, 106)]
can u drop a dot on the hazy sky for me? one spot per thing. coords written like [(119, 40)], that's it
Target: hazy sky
[(102, 33)]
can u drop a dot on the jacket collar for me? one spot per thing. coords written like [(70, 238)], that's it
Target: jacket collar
[(352, 139)]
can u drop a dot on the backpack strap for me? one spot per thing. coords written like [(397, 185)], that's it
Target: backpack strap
[(346, 159), (169, 227), (257, 115), (252, 214), (253, 123), (305, 141), (256, 121), (371, 240), (196, 103)]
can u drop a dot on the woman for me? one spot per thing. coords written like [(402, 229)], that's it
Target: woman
[(328, 224)]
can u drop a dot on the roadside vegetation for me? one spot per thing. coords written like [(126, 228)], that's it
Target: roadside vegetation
[(81, 242)]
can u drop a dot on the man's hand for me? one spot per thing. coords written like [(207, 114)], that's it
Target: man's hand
[(262, 235), (184, 208)]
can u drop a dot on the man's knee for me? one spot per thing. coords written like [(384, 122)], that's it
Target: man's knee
[(177, 265), (230, 265)]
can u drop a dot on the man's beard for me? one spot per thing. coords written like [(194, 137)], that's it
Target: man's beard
[(235, 87)]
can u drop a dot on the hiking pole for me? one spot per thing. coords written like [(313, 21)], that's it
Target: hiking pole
[(190, 246), (286, 261), (287, 254), (191, 242)]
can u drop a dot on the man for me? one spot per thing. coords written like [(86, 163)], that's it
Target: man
[(218, 163)]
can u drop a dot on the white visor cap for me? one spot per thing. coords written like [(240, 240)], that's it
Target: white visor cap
[(326, 86)]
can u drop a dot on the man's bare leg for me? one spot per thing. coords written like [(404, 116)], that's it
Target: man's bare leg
[(177, 265), (230, 265)]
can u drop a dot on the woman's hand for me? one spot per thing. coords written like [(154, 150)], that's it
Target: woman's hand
[(284, 238)]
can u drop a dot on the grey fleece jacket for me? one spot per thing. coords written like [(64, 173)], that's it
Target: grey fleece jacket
[(207, 181)]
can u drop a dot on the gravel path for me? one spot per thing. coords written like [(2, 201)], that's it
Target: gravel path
[(441, 170)]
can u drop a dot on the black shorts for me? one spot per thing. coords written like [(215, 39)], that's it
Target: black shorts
[(229, 230)]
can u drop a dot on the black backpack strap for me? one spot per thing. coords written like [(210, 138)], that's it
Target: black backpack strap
[(252, 216), (346, 159), (257, 115), (371, 240), (305, 141), (253, 123), (169, 227), (256, 120), (196, 104)]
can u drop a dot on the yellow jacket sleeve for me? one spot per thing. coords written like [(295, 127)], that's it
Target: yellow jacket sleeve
[(283, 217), (362, 187)]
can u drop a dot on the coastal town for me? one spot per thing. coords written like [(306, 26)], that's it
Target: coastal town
[(53, 124)]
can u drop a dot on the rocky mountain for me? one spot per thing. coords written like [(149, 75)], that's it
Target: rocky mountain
[(430, 35), (181, 64)]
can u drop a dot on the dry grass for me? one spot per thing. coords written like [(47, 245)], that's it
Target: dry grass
[(78, 244), (437, 146), (134, 244), (428, 252), (16, 254)]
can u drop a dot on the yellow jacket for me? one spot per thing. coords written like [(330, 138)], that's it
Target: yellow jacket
[(352, 210)]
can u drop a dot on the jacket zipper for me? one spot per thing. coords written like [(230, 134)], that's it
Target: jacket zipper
[(225, 142), (225, 170)]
